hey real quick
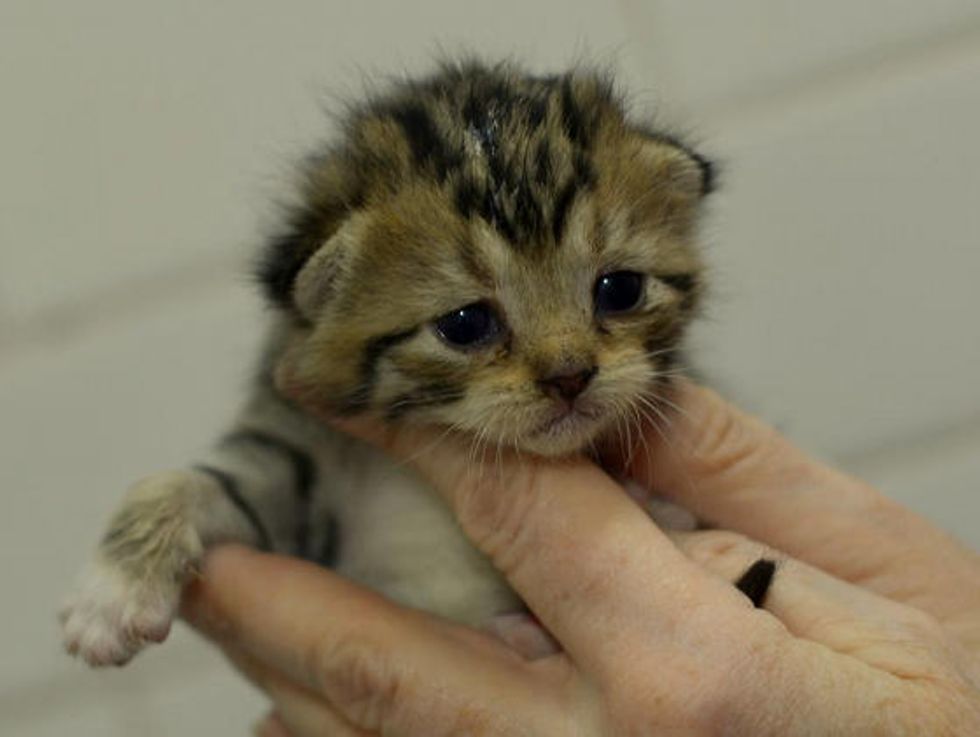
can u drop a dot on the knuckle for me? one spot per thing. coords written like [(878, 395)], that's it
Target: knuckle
[(358, 678), (723, 442), (920, 626), (726, 444), (494, 509)]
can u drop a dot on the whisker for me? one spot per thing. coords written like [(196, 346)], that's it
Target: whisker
[(420, 401), (656, 418), (621, 422), (638, 413), (667, 439), (433, 445), (655, 396), (661, 352), (672, 404)]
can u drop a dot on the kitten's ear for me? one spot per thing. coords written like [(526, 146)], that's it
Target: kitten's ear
[(327, 195), (318, 279), (284, 256), (688, 172), (301, 268)]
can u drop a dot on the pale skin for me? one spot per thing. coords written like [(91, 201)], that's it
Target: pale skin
[(871, 626)]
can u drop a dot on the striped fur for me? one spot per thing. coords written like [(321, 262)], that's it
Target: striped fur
[(477, 185)]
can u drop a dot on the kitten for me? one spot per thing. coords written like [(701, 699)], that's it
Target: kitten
[(499, 253)]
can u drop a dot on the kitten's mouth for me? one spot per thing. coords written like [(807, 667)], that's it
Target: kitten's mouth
[(566, 420)]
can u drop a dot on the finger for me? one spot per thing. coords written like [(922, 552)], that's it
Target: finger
[(735, 472), (299, 712), (523, 634), (819, 607), (373, 662), (581, 554)]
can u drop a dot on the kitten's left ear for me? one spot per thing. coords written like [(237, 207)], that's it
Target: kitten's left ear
[(689, 172)]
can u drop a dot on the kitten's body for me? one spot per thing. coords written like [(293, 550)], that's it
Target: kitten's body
[(497, 253), (357, 511)]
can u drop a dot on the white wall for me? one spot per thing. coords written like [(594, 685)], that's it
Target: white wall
[(140, 143)]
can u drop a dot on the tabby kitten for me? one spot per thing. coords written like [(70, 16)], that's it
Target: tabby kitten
[(503, 254)]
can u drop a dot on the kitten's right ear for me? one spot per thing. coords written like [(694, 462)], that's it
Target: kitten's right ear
[(328, 194), (318, 280), (285, 255), (300, 269)]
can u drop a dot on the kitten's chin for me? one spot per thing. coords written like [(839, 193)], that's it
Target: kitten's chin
[(557, 448), (564, 435)]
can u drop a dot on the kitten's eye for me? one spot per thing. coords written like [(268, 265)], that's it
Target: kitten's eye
[(469, 326), (618, 291)]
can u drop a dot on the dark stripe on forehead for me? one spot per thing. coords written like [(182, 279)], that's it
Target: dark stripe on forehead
[(358, 400), (542, 163), (537, 110), (473, 264), (563, 203), (494, 207), (528, 218), (574, 120), (467, 197), (582, 179), (483, 199), (483, 119), (428, 146)]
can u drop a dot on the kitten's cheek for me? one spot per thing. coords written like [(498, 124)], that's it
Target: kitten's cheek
[(288, 381), (285, 380)]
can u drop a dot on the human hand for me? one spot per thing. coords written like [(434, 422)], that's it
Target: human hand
[(872, 624)]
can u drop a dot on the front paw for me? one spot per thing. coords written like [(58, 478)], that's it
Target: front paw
[(109, 617)]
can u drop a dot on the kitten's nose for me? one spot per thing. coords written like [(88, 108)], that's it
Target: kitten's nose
[(567, 385)]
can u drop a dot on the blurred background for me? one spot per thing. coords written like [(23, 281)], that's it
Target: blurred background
[(141, 142)]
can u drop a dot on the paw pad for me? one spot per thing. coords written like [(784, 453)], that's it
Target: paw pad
[(109, 618)]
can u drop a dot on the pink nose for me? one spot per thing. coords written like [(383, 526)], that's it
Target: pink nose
[(567, 386)]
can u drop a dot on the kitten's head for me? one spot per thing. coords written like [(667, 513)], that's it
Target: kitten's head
[(495, 252)]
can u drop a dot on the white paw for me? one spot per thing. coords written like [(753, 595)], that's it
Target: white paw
[(109, 618)]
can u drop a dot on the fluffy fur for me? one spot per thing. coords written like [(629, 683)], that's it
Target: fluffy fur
[(524, 210)]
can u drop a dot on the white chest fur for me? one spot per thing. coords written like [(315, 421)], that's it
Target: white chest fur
[(398, 538)]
